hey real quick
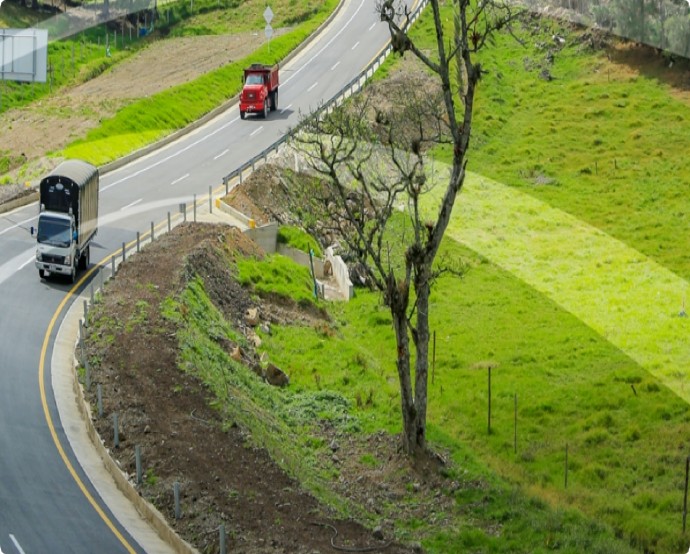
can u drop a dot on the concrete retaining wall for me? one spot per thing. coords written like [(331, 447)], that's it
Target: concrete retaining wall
[(341, 273)]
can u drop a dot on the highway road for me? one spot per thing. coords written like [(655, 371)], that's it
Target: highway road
[(44, 508)]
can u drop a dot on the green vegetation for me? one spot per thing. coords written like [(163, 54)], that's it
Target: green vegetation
[(297, 238), (147, 120), (277, 275)]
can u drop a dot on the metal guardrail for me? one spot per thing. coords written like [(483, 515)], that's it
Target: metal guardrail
[(355, 85)]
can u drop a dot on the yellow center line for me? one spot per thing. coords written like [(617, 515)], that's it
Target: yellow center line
[(49, 418)]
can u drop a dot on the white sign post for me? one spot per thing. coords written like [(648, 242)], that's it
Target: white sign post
[(268, 30)]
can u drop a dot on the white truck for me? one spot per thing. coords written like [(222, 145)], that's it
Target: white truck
[(67, 220)]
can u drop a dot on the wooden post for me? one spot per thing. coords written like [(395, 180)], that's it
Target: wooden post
[(685, 494), (489, 403), (433, 360)]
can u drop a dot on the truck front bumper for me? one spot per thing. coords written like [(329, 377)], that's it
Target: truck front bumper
[(252, 108), (54, 268)]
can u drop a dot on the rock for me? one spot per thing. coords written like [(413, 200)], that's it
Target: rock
[(256, 368), (546, 75), (378, 533), (255, 340), (237, 354), (251, 317), (265, 328), (334, 446), (327, 268), (275, 376)]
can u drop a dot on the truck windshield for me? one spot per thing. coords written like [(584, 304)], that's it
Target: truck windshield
[(254, 79), (54, 231)]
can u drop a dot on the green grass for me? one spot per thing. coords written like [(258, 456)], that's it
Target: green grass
[(358, 393), (297, 238), (277, 275), (145, 121)]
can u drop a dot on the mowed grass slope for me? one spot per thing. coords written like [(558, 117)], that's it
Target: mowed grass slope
[(579, 268)]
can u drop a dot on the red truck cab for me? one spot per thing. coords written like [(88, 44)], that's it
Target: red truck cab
[(260, 91)]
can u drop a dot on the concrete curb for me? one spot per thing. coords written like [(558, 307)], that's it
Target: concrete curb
[(18, 202)]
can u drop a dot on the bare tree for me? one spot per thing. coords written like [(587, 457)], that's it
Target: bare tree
[(371, 160)]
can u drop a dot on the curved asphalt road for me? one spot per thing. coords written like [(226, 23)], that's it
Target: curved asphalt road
[(43, 508)]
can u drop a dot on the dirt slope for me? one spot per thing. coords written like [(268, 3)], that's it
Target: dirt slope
[(224, 479)]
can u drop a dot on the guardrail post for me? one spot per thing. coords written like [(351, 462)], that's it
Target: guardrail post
[(137, 462), (116, 432), (99, 399), (138, 237), (221, 531), (152, 235), (123, 252), (195, 208), (226, 182), (210, 199), (169, 224), (176, 494)]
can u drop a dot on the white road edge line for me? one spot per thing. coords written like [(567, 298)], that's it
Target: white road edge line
[(222, 154), (180, 179), (131, 204), (312, 87), (20, 268), (336, 65), (286, 108), (372, 26), (16, 544), (254, 132), (14, 227), (356, 45), (226, 125)]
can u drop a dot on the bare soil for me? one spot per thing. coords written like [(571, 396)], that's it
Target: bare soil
[(50, 124), (223, 477)]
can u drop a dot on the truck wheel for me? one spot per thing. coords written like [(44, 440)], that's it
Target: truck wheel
[(267, 108), (274, 101), (41, 274), (243, 115), (73, 275)]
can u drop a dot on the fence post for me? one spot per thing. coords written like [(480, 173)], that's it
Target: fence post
[(685, 494)]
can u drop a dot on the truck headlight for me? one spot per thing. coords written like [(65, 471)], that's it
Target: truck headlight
[(68, 260), (39, 257)]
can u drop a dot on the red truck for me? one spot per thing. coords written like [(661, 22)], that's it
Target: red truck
[(260, 92)]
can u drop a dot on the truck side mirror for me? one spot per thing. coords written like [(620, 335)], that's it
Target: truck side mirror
[(32, 230), (74, 235)]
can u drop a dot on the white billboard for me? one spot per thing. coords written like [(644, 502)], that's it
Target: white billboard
[(23, 54)]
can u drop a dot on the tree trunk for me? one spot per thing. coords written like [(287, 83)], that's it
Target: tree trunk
[(398, 295), (422, 290)]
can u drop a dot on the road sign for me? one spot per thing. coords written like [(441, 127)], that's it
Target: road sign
[(268, 15), (23, 54), (268, 31)]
